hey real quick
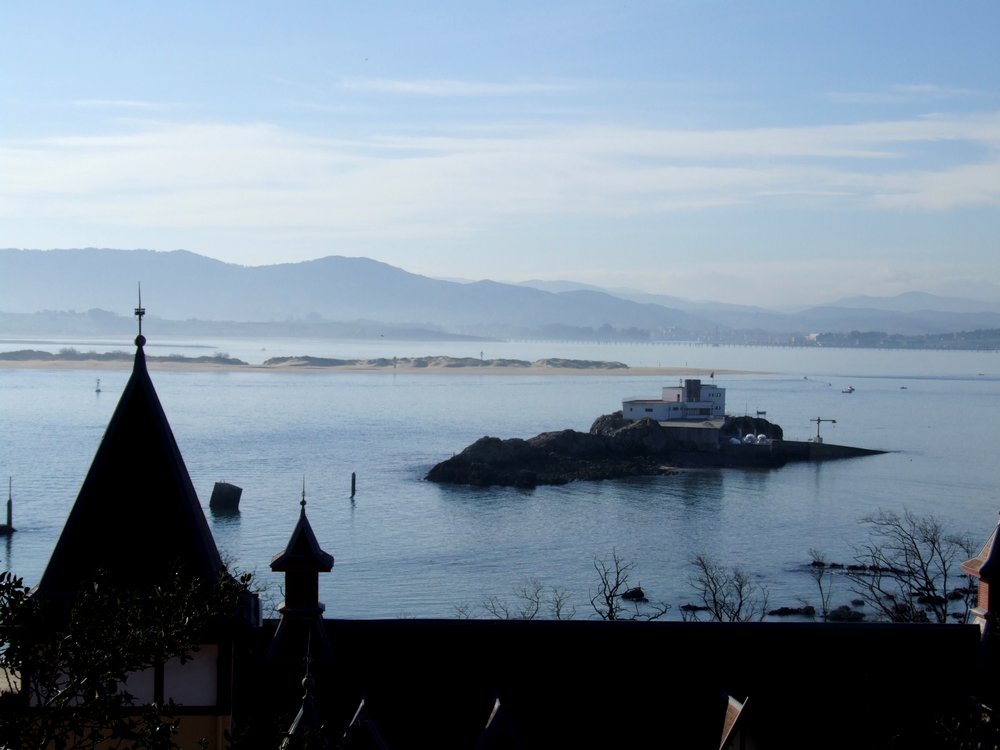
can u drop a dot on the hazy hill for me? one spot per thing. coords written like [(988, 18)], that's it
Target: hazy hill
[(183, 286), (920, 302), (180, 285), (909, 314)]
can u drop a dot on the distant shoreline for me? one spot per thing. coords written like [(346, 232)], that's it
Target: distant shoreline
[(423, 365)]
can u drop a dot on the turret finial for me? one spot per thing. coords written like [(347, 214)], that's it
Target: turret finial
[(140, 311)]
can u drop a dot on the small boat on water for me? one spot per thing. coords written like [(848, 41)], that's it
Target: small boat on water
[(848, 389)]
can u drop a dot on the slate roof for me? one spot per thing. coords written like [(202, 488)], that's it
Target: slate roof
[(984, 564), (577, 683), (137, 515), (302, 553)]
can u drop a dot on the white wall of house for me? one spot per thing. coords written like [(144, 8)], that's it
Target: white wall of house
[(194, 682), (692, 400), (191, 683)]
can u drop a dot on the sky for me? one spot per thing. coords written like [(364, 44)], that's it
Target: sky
[(761, 153)]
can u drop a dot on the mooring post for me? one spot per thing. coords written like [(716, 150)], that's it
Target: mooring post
[(354, 483)]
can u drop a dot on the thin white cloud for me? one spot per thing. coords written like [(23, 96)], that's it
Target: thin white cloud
[(907, 93), (451, 88), (960, 186), (933, 91), (125, 104), (869, 140), (259, 177)]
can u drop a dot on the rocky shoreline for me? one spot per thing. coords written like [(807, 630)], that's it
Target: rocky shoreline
[(615, 448)]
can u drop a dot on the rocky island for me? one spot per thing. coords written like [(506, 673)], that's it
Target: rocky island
[(619, 446)]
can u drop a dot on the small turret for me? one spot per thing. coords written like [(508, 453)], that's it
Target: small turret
[(301, 623)]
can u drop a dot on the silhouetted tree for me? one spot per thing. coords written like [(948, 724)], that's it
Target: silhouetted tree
[(614, 598), (726, 594), (610, 601), (822, 575), (907, 571), (531, 600), (64, 666)]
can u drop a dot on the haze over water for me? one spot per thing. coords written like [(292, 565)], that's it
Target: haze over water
[(404, 546)]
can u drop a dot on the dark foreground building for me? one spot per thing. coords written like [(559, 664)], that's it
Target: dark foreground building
[(307, 679)]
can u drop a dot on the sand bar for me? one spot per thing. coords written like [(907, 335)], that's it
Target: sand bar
[(421, 365)]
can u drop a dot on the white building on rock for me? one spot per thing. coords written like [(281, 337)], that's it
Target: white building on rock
[(692, 401)]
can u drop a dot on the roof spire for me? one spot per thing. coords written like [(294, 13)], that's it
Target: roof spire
[(139, 312), (306, 730), (138, 450), (301, 612)]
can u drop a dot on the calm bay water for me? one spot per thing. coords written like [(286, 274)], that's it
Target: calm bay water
[(406, 547)]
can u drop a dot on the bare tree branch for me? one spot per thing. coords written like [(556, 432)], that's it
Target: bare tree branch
[(527, 602), (727, 594), (612, 585), (821, 574), (907, 570)]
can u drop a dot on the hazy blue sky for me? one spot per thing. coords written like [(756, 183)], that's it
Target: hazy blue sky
[(756, 152)]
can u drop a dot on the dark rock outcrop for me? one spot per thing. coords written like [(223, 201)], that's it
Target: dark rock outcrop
[(844, 613), (635, 594), (549, 458), (615, 448), (225, 498), (806, 611)]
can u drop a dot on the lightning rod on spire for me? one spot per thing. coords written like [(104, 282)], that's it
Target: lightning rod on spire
[(140, 310)]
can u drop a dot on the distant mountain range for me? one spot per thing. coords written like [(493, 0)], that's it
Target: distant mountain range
[(358, 296)]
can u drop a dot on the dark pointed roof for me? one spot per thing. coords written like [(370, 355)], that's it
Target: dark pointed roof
[(302, 553), (137, 516), (306, 731), (301, 624)]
